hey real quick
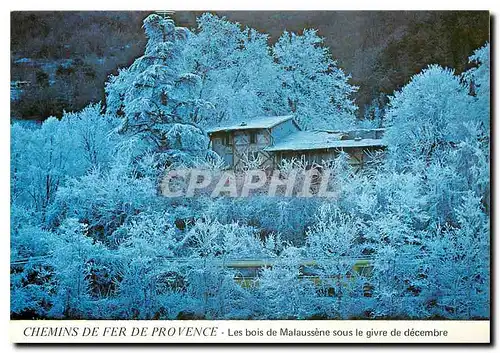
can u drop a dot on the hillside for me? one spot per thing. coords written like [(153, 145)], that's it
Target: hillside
[(67, 56)]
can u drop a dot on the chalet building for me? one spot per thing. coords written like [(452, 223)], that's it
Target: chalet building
[(266, 141)]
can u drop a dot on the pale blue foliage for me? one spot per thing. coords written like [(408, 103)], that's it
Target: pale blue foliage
[(43, 158), (314, 87), (427, 114), (222, 72), (479, 80)]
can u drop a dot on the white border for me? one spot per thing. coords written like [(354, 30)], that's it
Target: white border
[(254, 331)]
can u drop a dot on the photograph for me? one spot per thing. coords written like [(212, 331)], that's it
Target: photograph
[(250, 165)]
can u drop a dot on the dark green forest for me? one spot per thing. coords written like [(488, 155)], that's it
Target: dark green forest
[(67, 56)]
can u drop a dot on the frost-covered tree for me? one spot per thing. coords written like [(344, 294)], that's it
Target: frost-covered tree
[(94, 134), (237, 72), (332, 243), (157, 93), (222, 72), (282, 292), (438, 130), (439, 143), (147, 273), (102, 200), (31, 280), (313, 86), (479, 80), (71, 259), (40, 162), (215, 246), (43, 158), (427, 116), (445, 272)]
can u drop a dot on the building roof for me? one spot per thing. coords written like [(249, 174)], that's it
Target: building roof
[(265, 122), (357, 131), (313, 140)]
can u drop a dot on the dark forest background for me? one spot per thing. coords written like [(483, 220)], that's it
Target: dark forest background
[(63, 58)]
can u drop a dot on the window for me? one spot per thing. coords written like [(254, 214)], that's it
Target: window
[(227, 140), (253, 137)]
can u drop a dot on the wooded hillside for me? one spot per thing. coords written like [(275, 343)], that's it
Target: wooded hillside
[(381, 50)]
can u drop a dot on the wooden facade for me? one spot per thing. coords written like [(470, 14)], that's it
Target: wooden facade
[(245, 145), (358, 157), (265, 142), (240, 148)]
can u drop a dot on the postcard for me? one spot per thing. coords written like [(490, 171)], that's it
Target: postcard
[(250, 177)]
